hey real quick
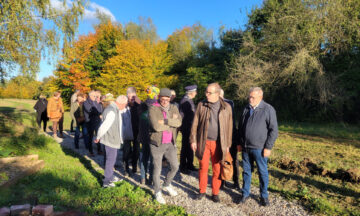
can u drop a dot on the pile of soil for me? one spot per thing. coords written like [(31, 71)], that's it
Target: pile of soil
[(307, 166)]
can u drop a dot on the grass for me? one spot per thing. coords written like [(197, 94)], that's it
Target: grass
[(68, 180)]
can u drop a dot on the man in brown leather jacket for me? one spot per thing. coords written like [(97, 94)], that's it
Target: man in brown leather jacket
[(211, 136)]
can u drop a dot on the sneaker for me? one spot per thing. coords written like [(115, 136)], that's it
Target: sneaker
[(215, 198), (264, 201), (116, 179), (160, 198), (142, 181), (111, 184), (200, 196), (170, 190)]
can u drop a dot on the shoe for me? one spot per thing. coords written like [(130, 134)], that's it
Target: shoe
[(148, 182), (100, 153), (110, 184), (200, 196), (116, 179), (192, 168), (233, 186), (264, 201), (185, 171), (215, 198), (243, 199), (91, 154), (142, 181), (61, 135), (170, 190), (160, 198)]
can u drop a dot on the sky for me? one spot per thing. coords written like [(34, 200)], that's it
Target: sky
[(166, 15)]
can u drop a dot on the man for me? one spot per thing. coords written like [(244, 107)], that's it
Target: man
[(164, 121), (258, 130), (211, 135), (92, 112), (173, 97), (41, 111), (132, 151), (72, 101), (110, 134), (233, 149), (187, 112)]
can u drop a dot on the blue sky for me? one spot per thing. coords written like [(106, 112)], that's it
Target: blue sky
[(166, 15)]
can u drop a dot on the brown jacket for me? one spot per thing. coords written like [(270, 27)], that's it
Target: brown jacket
[(55, 108), (156, 129), (201, 122)]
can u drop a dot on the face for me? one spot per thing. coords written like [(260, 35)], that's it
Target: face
[(254, 98), (80, 99), (92, 97), (121, 106), (164, 101), (211, 95), (131, 97)]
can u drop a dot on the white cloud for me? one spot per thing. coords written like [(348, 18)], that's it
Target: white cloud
[(90, 13)]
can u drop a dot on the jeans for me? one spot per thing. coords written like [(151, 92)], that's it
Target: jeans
[(170, 153), (111, 154), (144, 162), (77, 134), (250, 156)]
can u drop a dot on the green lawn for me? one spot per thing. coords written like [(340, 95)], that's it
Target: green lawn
[(68, 180)]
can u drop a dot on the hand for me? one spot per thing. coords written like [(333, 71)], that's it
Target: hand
[(96, 141), (175, 116), (193, 146), (239, 148), (266, 152), (161, 122)]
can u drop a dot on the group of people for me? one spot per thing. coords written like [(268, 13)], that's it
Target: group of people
[(208, 131)]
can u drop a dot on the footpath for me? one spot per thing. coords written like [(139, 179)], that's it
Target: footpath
[(187, 188)]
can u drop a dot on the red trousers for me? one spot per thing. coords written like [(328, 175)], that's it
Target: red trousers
[(212, 150)]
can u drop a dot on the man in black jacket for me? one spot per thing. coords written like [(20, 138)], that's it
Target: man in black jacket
[(41, 111), (258, 130), (187, 112)]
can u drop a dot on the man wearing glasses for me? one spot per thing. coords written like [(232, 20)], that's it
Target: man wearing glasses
[(164, 121), (211, 137)]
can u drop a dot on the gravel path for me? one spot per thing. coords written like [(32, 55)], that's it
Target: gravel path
[(187, 187)]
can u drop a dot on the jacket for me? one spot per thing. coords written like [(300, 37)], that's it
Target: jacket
[(259, 130), (187, 111), (55, 108), (171, 124), (200, 125), (92, 111)]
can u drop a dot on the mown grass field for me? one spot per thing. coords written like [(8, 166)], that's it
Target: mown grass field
[(317, 164), (68, 180)]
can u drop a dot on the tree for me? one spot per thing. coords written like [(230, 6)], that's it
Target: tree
[(24, 38)]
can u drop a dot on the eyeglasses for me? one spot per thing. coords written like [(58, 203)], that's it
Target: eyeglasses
[(164, 100), (210, 93)]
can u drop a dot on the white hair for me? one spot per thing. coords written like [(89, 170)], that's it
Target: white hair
[(256, 89), (130, 90), (221, 93), (173, 92), (122, 99)]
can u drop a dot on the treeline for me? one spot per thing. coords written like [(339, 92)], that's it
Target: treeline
[(304, 54)]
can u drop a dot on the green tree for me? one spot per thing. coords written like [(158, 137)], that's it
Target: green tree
[(24, 38)]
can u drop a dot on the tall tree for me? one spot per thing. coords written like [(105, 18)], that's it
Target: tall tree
[(23, 37)]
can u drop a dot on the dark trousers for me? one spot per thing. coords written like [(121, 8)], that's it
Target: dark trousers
[(92, 129), (170, 153), (77, 134), (186, 154), (250, 156), (131, 151), (41, 117), (72, 125), (233, 152), (111, 154), (144, 162)]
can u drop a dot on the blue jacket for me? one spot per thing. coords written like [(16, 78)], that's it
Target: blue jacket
[(259, 130)]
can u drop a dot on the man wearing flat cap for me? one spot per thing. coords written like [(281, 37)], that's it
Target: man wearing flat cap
[(164, 121), (187, 111)]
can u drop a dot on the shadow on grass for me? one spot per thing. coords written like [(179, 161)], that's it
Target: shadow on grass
[(320, 185)]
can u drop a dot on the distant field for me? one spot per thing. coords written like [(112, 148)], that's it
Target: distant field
[(317, 164)]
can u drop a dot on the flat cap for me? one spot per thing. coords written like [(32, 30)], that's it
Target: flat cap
[(191, 88), (165, 92)]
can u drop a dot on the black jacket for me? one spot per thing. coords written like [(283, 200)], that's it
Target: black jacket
[(187, 111)]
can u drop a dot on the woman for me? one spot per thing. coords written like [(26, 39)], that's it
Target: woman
[(55, 113), (40, 109), (77, 113)]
